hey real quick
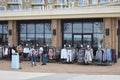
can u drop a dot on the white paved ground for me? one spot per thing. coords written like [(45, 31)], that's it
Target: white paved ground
[(16, 75)]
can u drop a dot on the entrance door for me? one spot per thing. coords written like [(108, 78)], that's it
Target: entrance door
[(82, 39)]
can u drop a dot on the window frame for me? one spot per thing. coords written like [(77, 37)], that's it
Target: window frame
[(4, 8)]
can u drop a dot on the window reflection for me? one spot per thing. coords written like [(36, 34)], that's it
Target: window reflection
[(39, 28), (39, 38), (4, 34), (31, 36), (67, 28), (5, 29), (98, 28), (93, 29), (77, 28), (48, 39), (34, 34), (98, 40), (30, 28), (23, 28), (23, 36), (87, 28), (47, 28), (68, 39)]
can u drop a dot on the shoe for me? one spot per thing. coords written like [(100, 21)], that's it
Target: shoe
[(43, 64)]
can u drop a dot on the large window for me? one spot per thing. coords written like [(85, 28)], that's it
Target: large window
[(4, 34), (35, 34), (82, 28), (3, 29), (67, 33)]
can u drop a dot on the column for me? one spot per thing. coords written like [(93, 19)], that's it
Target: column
[(110, 36), (13, 37), (56, 33)]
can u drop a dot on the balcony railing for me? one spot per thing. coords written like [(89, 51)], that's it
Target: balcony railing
[(14, 2)]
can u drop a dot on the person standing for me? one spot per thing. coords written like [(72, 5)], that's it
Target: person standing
[(44, 55), (20, 51), (33, 54), (40, 52)]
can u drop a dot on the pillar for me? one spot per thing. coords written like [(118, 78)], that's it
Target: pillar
[(13, 34), (111, 40), (56, 33)]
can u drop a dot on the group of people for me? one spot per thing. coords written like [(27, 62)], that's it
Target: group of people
[(83, 54), (33, 54)]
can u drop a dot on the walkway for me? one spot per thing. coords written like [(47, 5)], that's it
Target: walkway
[(13, 75), (59, 71)]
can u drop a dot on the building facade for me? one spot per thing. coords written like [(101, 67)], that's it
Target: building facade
[(58, 22)]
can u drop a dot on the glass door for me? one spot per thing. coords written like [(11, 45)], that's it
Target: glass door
[(82, 39), (77, 40), (87, 40)]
